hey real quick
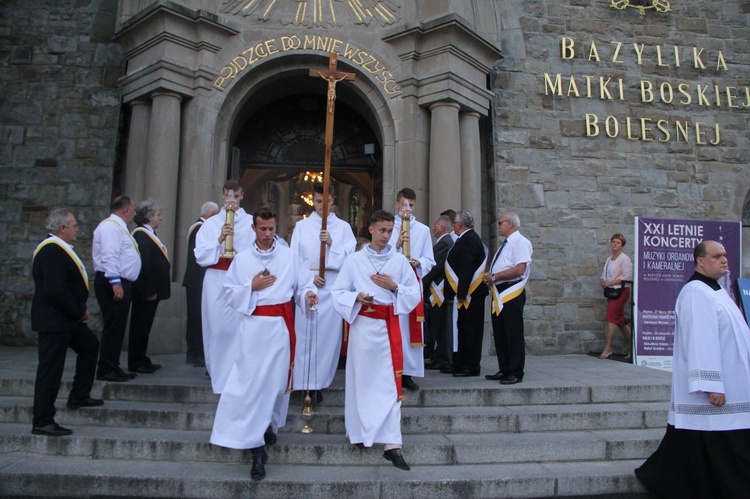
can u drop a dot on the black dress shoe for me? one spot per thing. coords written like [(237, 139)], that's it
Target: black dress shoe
[(74, 403), (409, 383), (114, 376), (51, 430), (464, 373), (269, 437), (447, 369), (494, 377), (152, 365), (258, 468), (434, 366), (395, 456), (129, 375), (510, 380)]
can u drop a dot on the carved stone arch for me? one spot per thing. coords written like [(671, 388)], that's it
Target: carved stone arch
[(361, 94)]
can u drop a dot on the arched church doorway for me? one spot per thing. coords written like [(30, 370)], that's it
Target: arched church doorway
[(278, 153)]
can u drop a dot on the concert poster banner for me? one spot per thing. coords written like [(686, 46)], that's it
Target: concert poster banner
[(662, 264)]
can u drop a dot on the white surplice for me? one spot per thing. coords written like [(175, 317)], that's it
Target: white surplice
[(220, 321), (711, 354), (372, 409), (255, 397), (317, 357), (420, 247)]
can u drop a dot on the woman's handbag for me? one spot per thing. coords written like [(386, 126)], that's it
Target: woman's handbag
[(612, 293)]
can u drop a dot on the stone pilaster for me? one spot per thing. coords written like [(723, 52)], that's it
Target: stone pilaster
[(163, 160), (135, 162), (445, 159), (471, 167)]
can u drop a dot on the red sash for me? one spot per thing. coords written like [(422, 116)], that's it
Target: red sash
[(222, 264), (416, 318), (282, 310), (385, 312)]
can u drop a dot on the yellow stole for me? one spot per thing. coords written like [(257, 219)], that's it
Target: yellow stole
[(155, 239), (135, 244), (71, 254)]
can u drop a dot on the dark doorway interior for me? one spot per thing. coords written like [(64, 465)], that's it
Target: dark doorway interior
[(279, 152)]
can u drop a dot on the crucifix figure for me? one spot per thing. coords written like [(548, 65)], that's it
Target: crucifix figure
[(332, 76)]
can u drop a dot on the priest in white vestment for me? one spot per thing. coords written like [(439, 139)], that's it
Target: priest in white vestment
[(220, 321), (422, 259), (319, 336), (374, 285), (260, 285), (706, 449)]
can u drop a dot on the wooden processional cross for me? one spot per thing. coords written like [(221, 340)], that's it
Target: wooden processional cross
[(332, 76)]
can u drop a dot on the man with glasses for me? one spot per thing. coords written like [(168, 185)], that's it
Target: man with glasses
[(507, 278), (464, 267)]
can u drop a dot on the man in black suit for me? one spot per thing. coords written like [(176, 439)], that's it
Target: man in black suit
[(152, 286), (438, 330), (59, 314), (193, 284), (464, 269)]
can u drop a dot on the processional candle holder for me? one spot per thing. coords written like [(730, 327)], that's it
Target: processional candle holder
[(230, 206), (308, 414), (405, 214)]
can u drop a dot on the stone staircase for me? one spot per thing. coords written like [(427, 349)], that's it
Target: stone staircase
[(576, 426)]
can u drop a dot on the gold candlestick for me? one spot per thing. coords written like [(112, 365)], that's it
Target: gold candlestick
[(308, 413), (230, 207)]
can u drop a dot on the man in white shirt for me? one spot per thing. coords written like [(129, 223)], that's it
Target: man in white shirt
[(507, 279), (117, 263)]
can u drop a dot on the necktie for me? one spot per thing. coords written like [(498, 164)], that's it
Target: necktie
[(497, 255)]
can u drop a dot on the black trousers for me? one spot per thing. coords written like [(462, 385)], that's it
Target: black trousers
[(439, 333), (141, 320), (470, 324), (194, 329), (510, 345), (115, 315), (52, 350)]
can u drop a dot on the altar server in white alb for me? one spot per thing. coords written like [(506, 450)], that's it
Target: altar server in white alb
[(374, 287), (317, 356), (706, 449), (422, 260), (260, 284), (220, 321)]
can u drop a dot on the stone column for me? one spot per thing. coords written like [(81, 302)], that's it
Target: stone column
[(163, 161), (445, 160), (135, 161), (471, 167)]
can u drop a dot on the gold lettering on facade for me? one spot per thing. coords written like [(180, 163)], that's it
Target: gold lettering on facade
[(259, 51), (641, 129)]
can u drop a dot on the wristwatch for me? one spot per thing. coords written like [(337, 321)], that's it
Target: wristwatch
[(395, 291)]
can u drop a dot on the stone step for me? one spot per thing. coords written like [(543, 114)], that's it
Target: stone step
[(415, 420), (324, 449), (476, 393), (73, 476)]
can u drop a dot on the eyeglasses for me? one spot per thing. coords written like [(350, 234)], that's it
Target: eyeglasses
[(456, 223), (501, 222)]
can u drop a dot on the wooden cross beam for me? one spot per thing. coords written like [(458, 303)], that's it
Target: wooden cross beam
[(332, 76)]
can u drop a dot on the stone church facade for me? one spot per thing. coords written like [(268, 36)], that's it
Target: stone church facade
[(579, 115)]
